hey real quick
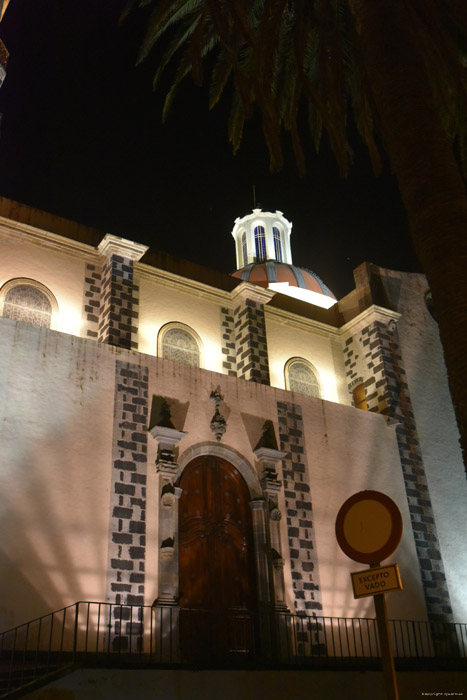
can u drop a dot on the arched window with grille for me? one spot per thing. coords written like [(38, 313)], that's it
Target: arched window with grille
[(276, 234), (28, 301), (180, 343), (260, 243), (300, 376)]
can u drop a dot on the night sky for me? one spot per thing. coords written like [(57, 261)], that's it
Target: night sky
[(81, 137)]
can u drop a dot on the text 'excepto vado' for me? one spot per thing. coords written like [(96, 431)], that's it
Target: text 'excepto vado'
[(372, 581)]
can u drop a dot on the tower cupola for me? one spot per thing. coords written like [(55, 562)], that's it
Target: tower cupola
[(261, 236)]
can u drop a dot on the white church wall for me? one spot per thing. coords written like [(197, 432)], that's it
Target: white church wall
[(289, 339), (161, 303), (422, 355), (56, 263), (60, 390), (342, 385), (350, 451), (347, 451), (56, 431)]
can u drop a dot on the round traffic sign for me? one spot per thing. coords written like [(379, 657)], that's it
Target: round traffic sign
[(369, 527)]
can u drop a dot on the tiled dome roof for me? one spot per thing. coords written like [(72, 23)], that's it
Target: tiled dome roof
[(265, 273)]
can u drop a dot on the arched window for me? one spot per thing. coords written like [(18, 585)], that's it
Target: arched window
[(180, 344), (276, 234), (29, 301), (301, 377), (260, 243)]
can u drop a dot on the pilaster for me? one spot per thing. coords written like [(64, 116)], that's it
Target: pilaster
[(299, 512), (250, 333), (92, 299), (127, 531), (118, 324), (263, 581), (169, 495), (271, 486), (228, 348)]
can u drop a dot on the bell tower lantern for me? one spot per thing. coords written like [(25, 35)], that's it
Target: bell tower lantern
[(262, 236)]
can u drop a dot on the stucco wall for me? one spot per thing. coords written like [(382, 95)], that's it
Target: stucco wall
[(60, 271), (288, 339), (162, 303), (56, 407), (351, 451)]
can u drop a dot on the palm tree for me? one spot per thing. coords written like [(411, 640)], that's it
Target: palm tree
[(399, 65)]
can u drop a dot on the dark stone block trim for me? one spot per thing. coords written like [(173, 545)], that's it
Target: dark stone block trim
[(118, 323), (127, 541), (251, 342), (229, 352), (92, 299), (352, 354), (299, 511)]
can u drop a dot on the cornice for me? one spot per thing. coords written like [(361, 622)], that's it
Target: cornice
[(246, 290), (289, 319), (47, 239), (261, 214), (174, 281), (169, 436), (372, 313), (114, 245)]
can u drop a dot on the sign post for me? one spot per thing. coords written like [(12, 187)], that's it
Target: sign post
[(369, 529)]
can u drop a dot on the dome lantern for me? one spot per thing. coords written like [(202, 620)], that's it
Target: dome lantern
[(262, 236)]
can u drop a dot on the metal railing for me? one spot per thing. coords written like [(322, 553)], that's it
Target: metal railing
[(89, 633)]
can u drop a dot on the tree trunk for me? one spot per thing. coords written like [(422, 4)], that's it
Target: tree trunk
[(429, 179)]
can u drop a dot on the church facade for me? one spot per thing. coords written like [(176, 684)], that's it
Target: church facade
[(178, 438)]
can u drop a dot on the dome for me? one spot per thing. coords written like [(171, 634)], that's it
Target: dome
[(288, 279), (264, 257)]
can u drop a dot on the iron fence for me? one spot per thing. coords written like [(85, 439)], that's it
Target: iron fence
[(89, 633)]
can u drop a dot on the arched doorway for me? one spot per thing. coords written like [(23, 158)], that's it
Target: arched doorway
[(216, 564)]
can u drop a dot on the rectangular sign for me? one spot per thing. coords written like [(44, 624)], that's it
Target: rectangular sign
[(373, 581)]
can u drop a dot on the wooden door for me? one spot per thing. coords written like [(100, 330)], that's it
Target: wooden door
[(216, 565)]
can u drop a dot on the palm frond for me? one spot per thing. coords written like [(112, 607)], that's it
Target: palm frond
[(219, 77), (281, 55), (165, 14), (236, 122), (130, 6), (180, 38)]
